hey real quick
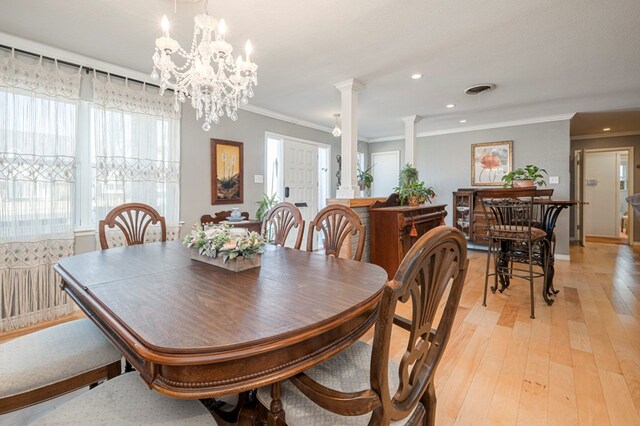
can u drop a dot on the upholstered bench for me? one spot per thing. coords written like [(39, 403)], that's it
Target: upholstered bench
[(127, 400), (51, 362)]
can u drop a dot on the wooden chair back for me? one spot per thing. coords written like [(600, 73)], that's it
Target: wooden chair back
[(280, 220), (218, 217), (336, 222), (509, 212), (132, 219), (436, 262)]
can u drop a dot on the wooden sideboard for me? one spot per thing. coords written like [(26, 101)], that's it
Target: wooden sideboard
[(391, 228)]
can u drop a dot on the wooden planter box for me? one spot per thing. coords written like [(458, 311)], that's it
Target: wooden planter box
[(236, 265)]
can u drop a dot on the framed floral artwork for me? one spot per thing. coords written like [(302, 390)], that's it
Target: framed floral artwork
[(226, 172), (490, 161)]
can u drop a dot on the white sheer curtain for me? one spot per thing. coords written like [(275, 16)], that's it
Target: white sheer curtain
[(38, 117), (135, 139)]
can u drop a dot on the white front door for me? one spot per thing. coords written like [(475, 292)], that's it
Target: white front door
[(385, 171), (301, 178)]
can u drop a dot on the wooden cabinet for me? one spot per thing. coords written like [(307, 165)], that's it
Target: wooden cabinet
[(468, 216), (391, 228)]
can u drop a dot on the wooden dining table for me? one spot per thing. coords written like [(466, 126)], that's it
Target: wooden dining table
[(194, 330)]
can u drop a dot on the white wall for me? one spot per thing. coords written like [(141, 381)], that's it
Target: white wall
[(250, 128), (444, 161)]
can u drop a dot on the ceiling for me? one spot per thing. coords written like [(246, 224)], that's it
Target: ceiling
[(546, 56), (617, 122)]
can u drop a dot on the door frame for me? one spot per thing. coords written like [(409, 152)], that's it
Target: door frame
[(371, 155), (630, 187), (282, 137), (578, 170)]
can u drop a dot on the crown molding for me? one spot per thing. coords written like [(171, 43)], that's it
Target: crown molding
[(86, 61), (605, 135), (488, 126), (351, 84), (65, 55)]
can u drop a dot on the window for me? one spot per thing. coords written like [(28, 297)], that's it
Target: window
[(37, 165), (135, 157)]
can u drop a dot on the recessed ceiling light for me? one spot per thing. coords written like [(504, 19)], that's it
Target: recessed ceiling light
[(451, 105), (606, 129), (463, 121), (416, 76)]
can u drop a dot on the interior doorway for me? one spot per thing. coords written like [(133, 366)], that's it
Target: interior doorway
[(298, 171), (385, 173), (606, 182)]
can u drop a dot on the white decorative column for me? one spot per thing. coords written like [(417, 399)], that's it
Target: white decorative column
[(349, 150), (410, 138)]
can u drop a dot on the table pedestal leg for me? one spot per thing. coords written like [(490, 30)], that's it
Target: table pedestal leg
[(548, 290)]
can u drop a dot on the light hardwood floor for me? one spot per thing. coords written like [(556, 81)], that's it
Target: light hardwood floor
[(578, 362)]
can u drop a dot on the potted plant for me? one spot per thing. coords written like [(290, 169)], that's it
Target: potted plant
[(365, 178), (235, 249), (529, 176), (408, 174), (410, 190), (265, 205)]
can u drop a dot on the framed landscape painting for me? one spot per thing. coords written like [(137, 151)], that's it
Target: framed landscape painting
[(226, 172), (490, 162)]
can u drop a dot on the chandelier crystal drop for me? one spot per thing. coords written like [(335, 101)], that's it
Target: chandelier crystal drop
[(215, 82)]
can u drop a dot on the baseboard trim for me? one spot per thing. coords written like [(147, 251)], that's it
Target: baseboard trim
[(564, 257)]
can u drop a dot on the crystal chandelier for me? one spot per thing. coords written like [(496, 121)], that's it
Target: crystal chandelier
[(337, 131), (209, 76)]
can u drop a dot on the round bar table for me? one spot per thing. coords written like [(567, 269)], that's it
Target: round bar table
[(194, 330)]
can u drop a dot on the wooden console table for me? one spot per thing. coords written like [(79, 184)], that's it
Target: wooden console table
[(391, 229)]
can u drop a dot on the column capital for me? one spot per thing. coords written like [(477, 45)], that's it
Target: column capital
[(352, 84), (411, 119)]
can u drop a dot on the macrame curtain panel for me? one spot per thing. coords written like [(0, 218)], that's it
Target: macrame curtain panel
[(39, 105), (136, 137)]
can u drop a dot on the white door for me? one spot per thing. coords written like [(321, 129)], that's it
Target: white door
[(301, 178), (385, 171), (601, 188)]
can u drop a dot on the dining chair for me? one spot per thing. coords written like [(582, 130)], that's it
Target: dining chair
[(51, 362), (127, 400), (280, 220), (336, 222), (133, 220), (513, 239), (363, 384)]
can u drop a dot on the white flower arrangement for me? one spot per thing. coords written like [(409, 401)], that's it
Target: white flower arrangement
[(226, 241)]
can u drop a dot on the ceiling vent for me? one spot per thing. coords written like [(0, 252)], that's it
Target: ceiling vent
[(477, 89)]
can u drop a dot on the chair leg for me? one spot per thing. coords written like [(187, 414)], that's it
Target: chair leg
[(496, 266), (429, 402), (275, 417), (486, 276), (531, 282)]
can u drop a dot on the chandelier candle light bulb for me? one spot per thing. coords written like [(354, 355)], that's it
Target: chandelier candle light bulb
[(208, 76)]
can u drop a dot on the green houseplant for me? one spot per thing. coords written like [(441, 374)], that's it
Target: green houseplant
[(410, 190), (365, 178), (528, 176), (264, 205)]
